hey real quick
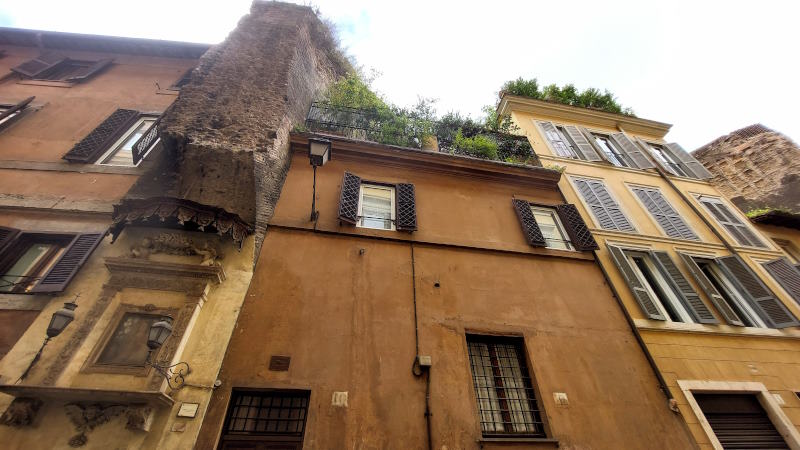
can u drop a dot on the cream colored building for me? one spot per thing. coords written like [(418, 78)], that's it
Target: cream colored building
[(689, 270)]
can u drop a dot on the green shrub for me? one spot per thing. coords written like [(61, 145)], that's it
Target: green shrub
[(478, 145), (566, 95)]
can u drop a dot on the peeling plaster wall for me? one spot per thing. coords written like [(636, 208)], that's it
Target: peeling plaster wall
[(229, 128)]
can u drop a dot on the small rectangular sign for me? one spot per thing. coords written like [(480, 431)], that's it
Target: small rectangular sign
[(188, 409)]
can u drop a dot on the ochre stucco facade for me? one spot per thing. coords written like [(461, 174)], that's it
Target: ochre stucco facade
[(340, 301), (689, 352)]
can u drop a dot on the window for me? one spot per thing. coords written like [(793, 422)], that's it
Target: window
[(605, 209), (658, 287), (125, 346), (32, 262), (666, 158), (9, 113), (741, 309), (29, 260), (786, 274), (503, 388), (728, 219), (121, 152), (256, 419), (739, 421), (667, 218), (57, 67), (376, 208), (610, 150), (123, 139), (551, 228)]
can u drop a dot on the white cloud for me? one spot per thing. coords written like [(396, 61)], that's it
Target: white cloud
[(707, 67)]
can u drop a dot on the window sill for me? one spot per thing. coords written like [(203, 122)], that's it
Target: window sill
[(517, 440), (62, 84), (173, 92), (721, 329)]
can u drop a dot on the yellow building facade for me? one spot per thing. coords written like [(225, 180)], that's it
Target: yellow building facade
[(689, 270)]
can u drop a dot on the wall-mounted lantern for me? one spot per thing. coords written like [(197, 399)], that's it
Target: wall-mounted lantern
[(319, 152), (58, 322), (158, 334)]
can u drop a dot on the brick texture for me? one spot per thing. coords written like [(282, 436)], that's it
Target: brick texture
[(755, 167), (226, 138)]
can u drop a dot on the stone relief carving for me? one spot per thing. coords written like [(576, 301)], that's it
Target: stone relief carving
[(88, 416), (85, 418), (177, 244), (21, 412)]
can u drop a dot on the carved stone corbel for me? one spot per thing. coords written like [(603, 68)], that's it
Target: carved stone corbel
[(86, 417), (21, 412), (140, 417)]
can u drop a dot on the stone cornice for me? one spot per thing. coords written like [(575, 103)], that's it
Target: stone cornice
[(585, 116), (431, 161), (153, 398)]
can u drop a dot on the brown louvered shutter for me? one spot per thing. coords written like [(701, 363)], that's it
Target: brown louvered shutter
[(7, 236), (691, 300), (716, 298), (577, 230), (41, 63), (787, 275), (584, 147), (530, 228), (98, 141), (757, 294), (640, 293), (90, 71), (14, 109), (634, 153), (690, 164), (348, 198), (62, 272), (405, 217), (143, 145)]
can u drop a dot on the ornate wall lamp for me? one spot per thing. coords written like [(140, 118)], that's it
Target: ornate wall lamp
[(158, 334), (58, 322), (319, 152)]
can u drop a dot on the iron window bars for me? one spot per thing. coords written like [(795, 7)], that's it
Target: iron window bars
[(503, 388), (281, 413)]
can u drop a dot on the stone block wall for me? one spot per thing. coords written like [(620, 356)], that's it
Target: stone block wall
[(755, 167)]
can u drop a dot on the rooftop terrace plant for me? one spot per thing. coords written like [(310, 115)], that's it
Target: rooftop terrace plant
[(566, 95)]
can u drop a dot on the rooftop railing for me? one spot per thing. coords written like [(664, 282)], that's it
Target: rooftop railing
[(387, 127)]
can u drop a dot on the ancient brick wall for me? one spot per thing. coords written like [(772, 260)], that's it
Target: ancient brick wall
[(226, 137), (755, 167)]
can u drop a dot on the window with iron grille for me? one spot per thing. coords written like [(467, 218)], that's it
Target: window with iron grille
[(270, 414), (503, 387)]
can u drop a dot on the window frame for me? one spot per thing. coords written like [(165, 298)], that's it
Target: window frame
[(523, 360), (703, 198), (565, 238), (665, 156), (392, 204), (296, 438), (588, 207), (735, 300), (771, 406), (618, 155), (633, 187), (663, 286), (114, 148), (91, 365), (21, 243)]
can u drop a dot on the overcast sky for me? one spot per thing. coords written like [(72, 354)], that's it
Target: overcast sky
[(706, 67)]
